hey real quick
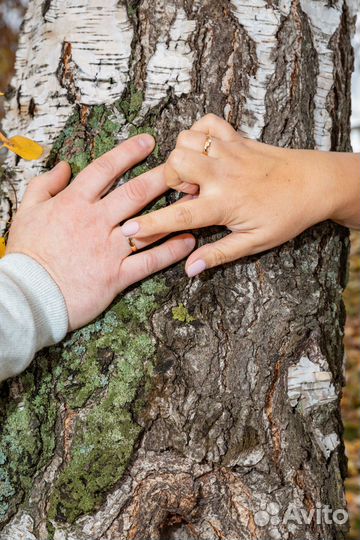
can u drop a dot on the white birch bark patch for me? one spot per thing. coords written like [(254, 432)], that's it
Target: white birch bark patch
[(171, 64), (262, 23), (21, 528), (310, 385), (78, 52), (326, 443), (324, 20)]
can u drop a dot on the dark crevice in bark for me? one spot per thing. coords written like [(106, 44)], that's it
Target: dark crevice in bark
[(290, 94), (65, 72), (31, 108), (215, 20), (338, 101), (45, 8)]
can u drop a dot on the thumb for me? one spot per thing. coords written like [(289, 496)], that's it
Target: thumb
[(228, 249), (47, 185)]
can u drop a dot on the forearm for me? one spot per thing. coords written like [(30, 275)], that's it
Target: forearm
[(33, 313)]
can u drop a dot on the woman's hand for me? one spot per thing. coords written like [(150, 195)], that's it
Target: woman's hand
[(263, 194), (73, 231)]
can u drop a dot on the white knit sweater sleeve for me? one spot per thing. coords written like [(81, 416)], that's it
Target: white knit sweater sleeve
[(33, 312)]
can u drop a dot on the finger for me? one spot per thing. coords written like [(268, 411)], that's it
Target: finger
[(188, 166), (148, 262), (195, 141), (185, 187), (141, 243), (48, 184), (215, 126), (180, 217), (130, 198), (228, 249), (102, 172)]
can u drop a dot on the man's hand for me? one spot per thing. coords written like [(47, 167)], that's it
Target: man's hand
[(72, 230)]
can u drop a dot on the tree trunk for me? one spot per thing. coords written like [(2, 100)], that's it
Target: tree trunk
[(192, 409)]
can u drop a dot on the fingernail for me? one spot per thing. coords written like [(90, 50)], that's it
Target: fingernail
[(130, 228), (146, 141), (57, 166), (196, 268), (190, 242)]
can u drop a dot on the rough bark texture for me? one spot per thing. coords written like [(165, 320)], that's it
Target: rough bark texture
[(190, 406)]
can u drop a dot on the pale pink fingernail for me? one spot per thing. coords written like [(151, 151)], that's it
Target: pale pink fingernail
[(190, 242), (196, 268), (146, 141), (130, 228)]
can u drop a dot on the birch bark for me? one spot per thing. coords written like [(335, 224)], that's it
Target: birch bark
[(191, 409)]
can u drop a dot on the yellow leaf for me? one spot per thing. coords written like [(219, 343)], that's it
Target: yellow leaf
[(24, 147), (2, 247)]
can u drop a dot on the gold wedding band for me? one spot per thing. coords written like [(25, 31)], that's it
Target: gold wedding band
[(207, 145), (132, 245)]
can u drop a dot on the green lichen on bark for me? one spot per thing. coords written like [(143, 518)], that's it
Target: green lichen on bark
[(105, 439), (131, 104), (131, 7), (71, 145), (87, 136), (27, 436), (105, 367), (84, 140), (181, 313), (105, 140)]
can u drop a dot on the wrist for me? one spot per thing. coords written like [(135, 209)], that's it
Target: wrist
[(315, 173), (332, 181), (346, 189)]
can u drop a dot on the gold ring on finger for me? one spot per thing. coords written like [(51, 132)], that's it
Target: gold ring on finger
[(207, 145), (132, 245)]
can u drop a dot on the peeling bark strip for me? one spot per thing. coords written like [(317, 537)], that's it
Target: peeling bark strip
[(191, 409)]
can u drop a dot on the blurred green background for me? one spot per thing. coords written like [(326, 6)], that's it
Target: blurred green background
[(11, 15)]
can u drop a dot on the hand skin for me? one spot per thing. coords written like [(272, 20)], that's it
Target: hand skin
[(263, 194), (73, 230)]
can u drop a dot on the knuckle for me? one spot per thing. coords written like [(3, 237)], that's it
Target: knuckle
[(150, 263), (34, 183), (240, 145), (175, 158), (183, 215), (226, 215), (104, 165), (212, 118), (173, 251), (183, 137), (219, 256), (170, 179), (135, 190), (67, 199)]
